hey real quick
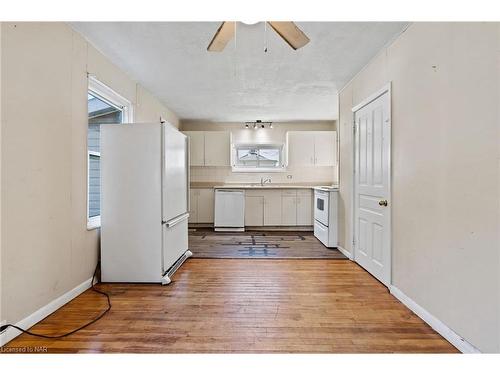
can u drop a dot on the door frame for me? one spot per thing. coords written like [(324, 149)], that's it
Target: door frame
[(385, 89)]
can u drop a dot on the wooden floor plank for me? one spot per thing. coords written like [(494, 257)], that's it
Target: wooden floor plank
[(245, 305)]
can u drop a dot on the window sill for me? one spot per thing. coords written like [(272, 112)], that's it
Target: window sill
[(94, 223)]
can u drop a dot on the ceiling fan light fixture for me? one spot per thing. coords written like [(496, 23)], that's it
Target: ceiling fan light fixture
[(250, 22), (288, 31)]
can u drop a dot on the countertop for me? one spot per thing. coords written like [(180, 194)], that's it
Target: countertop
[(218, 185)]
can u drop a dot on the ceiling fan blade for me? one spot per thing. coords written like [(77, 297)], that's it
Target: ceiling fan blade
[(290, 34), (224, 34)]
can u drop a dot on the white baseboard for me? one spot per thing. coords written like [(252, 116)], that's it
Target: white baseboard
[(459, 342), (11, 333), (347, 253)]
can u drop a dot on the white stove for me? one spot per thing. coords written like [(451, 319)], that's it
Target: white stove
[(325, 214)]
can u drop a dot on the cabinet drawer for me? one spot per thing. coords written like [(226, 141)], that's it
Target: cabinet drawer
[(289, 192), (305, 192), (254, 193), (321, 232)]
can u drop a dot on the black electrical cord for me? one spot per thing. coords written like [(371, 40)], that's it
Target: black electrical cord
[(4, 327)]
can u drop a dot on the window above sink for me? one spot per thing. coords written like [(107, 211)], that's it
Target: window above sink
[(257, 158)]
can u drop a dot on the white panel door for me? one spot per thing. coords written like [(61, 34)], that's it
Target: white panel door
[(175, 173), (304, 207), (372, 188), (272, 207), (205, 205), (325, 148), (254, 211), (300, 146), (196, 148), (217, 148)]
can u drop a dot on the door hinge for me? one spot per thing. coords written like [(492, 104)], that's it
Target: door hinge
[(354, 126)]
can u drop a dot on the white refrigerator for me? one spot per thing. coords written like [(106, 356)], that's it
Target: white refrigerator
[(144, 202)]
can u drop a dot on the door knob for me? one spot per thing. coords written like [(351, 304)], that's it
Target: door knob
[(383, 202)]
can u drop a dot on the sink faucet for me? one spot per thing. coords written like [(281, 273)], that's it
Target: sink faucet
[(264, 181)]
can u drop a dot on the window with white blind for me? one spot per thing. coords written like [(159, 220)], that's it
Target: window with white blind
[(104, 107), (258, 158)]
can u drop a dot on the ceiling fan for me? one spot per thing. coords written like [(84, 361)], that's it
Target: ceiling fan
[(287, 30)]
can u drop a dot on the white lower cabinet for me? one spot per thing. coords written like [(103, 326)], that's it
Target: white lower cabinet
[(272, 207), (201, 206), (289, 207), (263, 207), (278, 207), (193, 205), (305, 207), (254, 210)]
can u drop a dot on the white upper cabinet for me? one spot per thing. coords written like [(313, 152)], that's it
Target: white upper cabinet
[(300, 148), (325, 148), (217, 148), (312, 148), (209, 148), (196, 148)]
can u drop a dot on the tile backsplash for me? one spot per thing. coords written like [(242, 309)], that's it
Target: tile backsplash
[(292, 175)]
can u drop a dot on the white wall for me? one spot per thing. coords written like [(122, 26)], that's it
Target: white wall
[(446, 171), (321, 175), (1, 126), (46, 249)]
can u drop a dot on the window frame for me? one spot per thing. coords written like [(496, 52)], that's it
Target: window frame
[(105, 93), (255, 169)]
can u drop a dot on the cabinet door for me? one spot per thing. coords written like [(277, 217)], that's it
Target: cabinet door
[(272, 207), (300, 146), (254, 211), (206, 206), (196, 148), (193, 205), (217, 148), (304, 207), (325, 148), (289, 208)]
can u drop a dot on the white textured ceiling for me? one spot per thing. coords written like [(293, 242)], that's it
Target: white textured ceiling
[(243, 82)]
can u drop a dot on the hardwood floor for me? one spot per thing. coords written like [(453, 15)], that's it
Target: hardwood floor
[(257, 244), (245, 305)]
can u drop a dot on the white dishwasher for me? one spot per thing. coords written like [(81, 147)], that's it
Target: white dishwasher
[(229, 210)]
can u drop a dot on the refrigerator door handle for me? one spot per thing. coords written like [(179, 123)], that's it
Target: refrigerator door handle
[(176, 220)]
